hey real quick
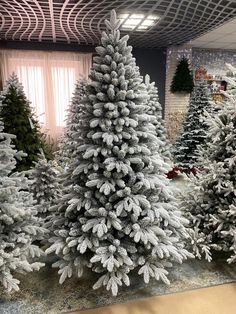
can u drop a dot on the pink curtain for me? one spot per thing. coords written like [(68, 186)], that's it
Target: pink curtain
[(48, 79)]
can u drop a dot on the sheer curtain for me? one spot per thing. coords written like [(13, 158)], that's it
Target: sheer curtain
[(48, 79)]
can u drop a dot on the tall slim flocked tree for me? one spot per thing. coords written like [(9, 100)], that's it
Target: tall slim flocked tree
[(193, 136), (18, 119), (118, 213), (210, 201), (230, 79), (19, 226), (68, 144), (45, 186), (155, 110)]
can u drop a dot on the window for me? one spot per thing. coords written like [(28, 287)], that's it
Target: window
[(62, 92), (32, 79), (48, 79)]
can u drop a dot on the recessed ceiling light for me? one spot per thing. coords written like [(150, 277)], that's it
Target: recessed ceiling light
[(139, 22), (143, 27), (131, 21), (123, 16), (153, 17), (137, 16), (128, 27), (147, 22)]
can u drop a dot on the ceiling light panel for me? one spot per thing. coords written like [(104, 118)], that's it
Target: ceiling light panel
[(147, 22), (142, 27), (131, 21), (138, 22)]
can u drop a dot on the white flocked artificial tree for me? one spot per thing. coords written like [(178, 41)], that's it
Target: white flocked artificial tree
[(193, 136), (68, 144), (19, 225), (210, 201), (45, 185), (155, 110), (230, 79), (117, 212)]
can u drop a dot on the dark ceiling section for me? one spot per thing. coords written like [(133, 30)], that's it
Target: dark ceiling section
[(81, 21)]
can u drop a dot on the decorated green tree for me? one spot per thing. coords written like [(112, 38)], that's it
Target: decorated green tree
[(193, 136), (19, 120), (183, 79), (68, 143), (19, 226), (117, 212), (210, 202)]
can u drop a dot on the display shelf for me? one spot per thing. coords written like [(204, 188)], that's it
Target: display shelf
[(215, 91), (210, 80)]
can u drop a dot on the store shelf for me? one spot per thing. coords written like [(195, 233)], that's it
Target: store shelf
[(210, 80)]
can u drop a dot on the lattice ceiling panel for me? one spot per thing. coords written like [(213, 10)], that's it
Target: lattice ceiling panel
[(82, 21)]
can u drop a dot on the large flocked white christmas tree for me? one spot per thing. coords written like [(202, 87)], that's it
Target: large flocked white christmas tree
[(19, 225), (117, 212), (210, 202), (68, 144), (193, 136)]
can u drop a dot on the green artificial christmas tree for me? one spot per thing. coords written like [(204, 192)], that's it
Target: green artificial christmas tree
[(19, 120), (193, 136), (183, 79), (117, 212)]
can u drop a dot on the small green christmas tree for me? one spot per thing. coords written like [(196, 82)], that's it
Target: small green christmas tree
[(183, 79), (19, 120)]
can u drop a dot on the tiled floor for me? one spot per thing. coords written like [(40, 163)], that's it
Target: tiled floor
[(41, 293), (214, 300)]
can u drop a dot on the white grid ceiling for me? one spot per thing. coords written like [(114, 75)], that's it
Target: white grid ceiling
[(82, 21), (223, 37)]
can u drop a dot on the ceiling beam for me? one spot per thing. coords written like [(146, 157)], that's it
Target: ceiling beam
[(49, 46), (50, 3)]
